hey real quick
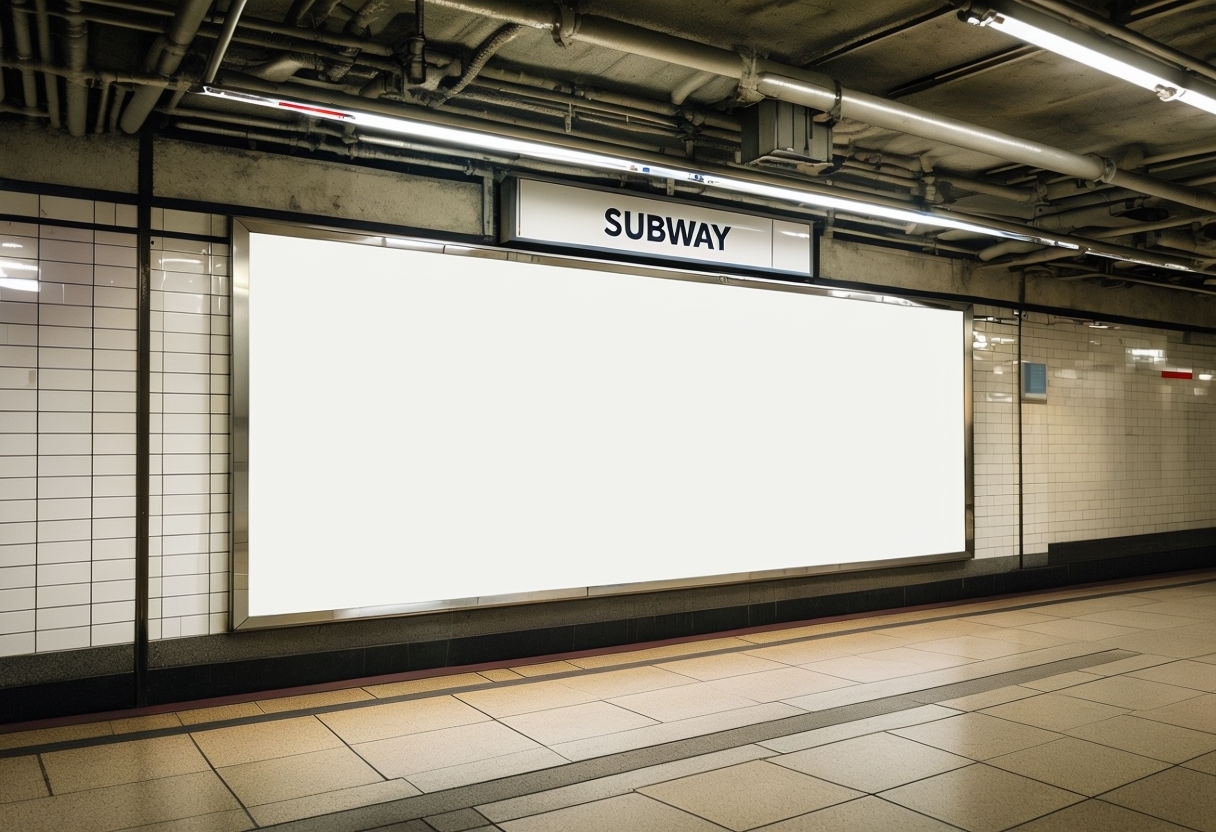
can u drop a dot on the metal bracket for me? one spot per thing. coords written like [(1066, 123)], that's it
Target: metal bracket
[(1109, 168), (748, 89), (565, 24)]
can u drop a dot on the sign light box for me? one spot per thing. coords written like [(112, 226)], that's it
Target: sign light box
[(428, 431)]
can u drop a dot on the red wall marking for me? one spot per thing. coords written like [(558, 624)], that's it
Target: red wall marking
[(1177, 374)]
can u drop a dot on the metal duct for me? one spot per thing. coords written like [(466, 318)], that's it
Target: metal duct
[(164, 58)]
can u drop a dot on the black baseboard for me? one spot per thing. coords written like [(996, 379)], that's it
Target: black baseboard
[(1066, 565)]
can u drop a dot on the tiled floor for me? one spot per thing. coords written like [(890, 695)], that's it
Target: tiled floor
[(1083, 709)]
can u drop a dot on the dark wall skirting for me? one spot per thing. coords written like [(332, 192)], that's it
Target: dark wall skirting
[(1066, 564)]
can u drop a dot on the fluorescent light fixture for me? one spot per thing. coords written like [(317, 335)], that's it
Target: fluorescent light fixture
[(442, 135), (445, 135), (1101, 54)]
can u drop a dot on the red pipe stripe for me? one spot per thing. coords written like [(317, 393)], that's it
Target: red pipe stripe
[(1177, 374)]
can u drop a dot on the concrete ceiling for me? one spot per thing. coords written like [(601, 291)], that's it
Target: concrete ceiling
[(674, 79)]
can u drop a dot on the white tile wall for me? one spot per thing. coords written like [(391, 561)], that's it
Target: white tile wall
[(190, 414), (1115, 450), (67, 425)]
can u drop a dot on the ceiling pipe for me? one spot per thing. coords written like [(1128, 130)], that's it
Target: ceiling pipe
[(221, 46), (25, 53), (164, 58), (504, 35), (820, 92), (44, 52), (76, 47)]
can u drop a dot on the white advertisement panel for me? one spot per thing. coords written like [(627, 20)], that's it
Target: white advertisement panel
[(429, 430)]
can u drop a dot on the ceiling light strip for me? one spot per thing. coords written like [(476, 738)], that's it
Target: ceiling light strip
[(445, 135), (1167, 82)]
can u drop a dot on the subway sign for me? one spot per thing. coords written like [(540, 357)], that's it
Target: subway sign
[(630, 227)]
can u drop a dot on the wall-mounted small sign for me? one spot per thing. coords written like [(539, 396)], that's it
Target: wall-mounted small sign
[(620, 223), (1034, 382)]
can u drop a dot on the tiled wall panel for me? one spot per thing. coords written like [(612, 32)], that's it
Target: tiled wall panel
[(67, 424), (1117, 449)]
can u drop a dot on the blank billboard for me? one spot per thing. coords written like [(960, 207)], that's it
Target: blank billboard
[(429, 431)]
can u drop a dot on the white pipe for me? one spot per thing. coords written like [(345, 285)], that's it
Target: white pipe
[(25, 53), (76, 43), (164, 59), (44, 52)]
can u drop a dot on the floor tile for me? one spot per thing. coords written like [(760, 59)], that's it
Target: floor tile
[(231, 820), (671, 731), (846, 730), (1131, 693), (219, 713), (305, 701), (545, 669), (95, 766), (151, 722), (63, 733), (21, 779), (1198, 713), (263, 740), (866, 814), (1079, 766), (1175, 643), (972, 647), (492, 768), (1053, 711), (576, 722), (1014, 618), (634, 812), (1098, 816), (707, 668), (611, 683), (883, 664), (1061, 681), (613, 785), (749, 795), (683, 702), (1158, 740), (872, 763), (1137, 618), (772, 685), (501, 674), (457, 821), (1206, 764), (989, 698), (395, 719), (413, 753), (981, 798), (268, 814), (1127, 665), (1088, 606), (977, 736), (523, 698), (286, 778), (1178, 795), (1185, 673), (118, 807), (410, 687), (1074, 630)]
